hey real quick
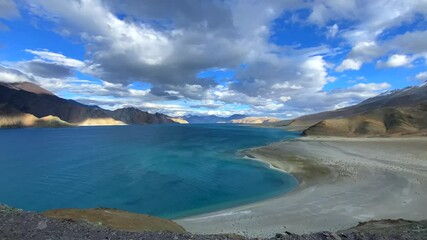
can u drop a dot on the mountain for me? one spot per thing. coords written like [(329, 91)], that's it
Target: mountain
[(378, 122), (27, 86), (212, 118), (397, 112), (407, 97), (179, 120), (12, 118), (256, 120), (236, 118), (28, 98), (41, 104), (135, 116)]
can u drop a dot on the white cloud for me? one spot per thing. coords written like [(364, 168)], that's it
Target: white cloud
[(323, 11), (10, 75), (394, 61), (56, 58), (349, 64), (285, 98), (366, 50), (286, 85), (332, 31), (422, 76), (368, 87), (364, 37), (167, 43)]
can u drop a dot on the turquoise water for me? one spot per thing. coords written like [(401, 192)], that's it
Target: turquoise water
[(163, 170)]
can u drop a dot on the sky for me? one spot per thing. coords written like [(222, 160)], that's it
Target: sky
[(281, 58)]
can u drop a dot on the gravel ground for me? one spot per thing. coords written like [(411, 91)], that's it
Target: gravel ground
[(18, 224)]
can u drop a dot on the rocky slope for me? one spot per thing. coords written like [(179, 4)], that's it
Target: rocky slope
[(93, 224), (12, 118), (179, 120), (378, 122), (28, 98), (136, 116)]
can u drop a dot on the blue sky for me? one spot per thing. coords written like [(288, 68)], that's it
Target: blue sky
[(261, 58)]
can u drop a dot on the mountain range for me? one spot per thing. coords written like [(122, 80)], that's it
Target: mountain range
[(26, 104), (397, 112)]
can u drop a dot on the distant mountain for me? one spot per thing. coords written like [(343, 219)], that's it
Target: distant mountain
[(401, 111), (256, 120), (135, 116), (212, 118), (28, 98), (179, 120)]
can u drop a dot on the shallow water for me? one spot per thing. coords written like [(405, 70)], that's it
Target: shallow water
[(163, 170)]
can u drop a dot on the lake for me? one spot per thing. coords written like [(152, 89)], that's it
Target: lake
[(169, 171)]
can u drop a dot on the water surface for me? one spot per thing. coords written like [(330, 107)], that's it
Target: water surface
[(163, 170)]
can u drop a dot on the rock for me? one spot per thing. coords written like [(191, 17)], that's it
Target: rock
[(41, 225)]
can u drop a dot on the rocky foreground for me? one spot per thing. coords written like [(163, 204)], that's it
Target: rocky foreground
[(19, 224)]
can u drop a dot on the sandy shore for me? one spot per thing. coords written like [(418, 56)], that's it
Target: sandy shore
[(343, 181)]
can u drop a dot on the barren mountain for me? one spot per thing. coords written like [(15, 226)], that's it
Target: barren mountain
[(136, 116), (395, 112), (28, 98), (256, 120), (382, 121), (11, 118)]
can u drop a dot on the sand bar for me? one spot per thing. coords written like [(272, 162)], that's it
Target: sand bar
[(343, 181)]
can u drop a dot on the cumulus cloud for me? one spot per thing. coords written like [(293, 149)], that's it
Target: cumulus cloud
[(122, 50), (349, 64), (365, 36), (324, 11), (168, 43), (410, 43), (405, 48), (125, 50), (395, 60)]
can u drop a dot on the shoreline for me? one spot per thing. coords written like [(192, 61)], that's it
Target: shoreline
[(342, 181)]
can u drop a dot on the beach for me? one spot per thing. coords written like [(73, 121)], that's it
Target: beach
[(342, 181)]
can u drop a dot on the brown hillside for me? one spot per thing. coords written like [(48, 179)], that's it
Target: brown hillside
[(379, 122)]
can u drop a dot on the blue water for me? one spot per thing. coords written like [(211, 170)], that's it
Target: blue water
[(163, 170)]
